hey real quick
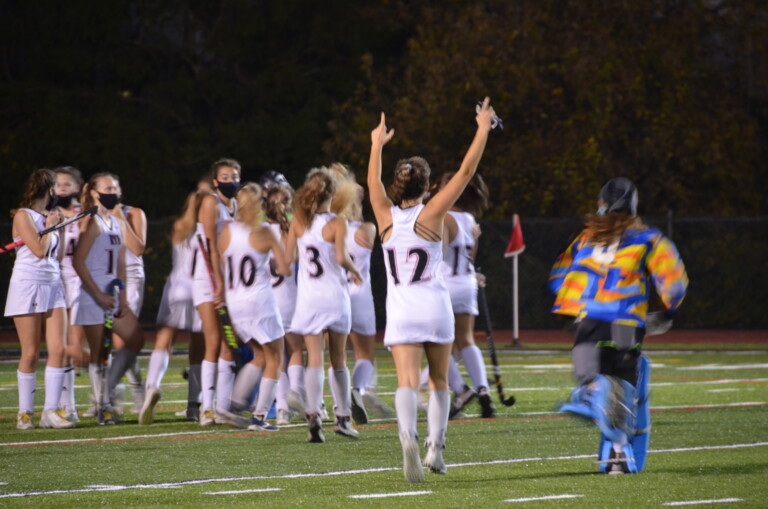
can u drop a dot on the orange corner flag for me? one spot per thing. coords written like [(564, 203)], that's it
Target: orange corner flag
[(516, 244)]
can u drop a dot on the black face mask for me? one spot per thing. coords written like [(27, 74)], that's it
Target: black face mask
[(53, 201), (228, 189), (108, 200), (66, 201)]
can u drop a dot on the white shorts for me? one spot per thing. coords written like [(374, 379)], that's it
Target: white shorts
[(134, 288), (263, 329), (202, 291), (463, 297), (26, 297), (363, 314), (177, 309)]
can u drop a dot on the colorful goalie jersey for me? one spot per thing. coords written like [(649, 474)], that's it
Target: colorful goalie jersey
[(610, 283)]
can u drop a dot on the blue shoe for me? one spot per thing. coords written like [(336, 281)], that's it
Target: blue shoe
[(261, 425)]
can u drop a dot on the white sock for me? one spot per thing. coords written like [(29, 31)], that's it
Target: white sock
[(361, 374), (208, 383), (224, 382), (194, 387), (94, 373), (374, 378), (54, 378), (342, 398), (473, 361), (314, 378), (437, 416), (282, 391), (67, 399), (27, 383), (245, 382), (455, 380), (406, 401), (296, 377), (158, 364), (267, 390), (133, 373), (334, 385)]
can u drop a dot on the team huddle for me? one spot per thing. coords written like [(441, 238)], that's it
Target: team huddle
[(287, 275)]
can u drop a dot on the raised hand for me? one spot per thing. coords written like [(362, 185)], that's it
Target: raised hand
[(485, 115), (380, 135)]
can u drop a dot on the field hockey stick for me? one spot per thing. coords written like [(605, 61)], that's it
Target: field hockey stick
[(492, 348), (13, 245), (226, 322), (113, 288)]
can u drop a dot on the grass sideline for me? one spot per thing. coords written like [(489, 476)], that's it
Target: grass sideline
[(709, 442)]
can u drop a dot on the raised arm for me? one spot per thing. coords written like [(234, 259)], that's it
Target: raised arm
[(381, 204), (444, 200)]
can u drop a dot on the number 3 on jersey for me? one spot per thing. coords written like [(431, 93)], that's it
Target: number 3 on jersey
[(313, 257), (418, 271)]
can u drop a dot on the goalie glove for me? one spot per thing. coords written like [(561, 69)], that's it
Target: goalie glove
[(657, 322)]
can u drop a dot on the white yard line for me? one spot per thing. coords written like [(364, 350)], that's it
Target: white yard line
[(238, 492), (354, 472), (708, 367), (711, 501), (547, 497), (396, 494)]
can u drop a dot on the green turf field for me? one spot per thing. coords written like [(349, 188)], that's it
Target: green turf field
[(709, 443)]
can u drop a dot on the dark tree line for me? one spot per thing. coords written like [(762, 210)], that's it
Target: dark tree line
[(673, 94)]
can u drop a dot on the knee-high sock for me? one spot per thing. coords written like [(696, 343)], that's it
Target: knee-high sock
[(361, 375), (374, 378), (343, 398), (27, 382), (208, 382), (94, 373), (224, 382), (245, 382), (406, 401), (437, 417), (455, 380), (334, 385), (158, 364), (54, 379), (194, 388), (314, 378), (473, 360), (121, 360), (133, 373), (67, 399), (267, 390), (296, 376), (282, 391)]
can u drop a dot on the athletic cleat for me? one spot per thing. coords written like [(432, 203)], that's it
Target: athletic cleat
[(412, 468), (227, 417), (315, 430), (257, 424), (296, 403), (344, 428), (283, 417), (208, 418), (70, 415), (147, 412), (106, 417), (52, 419), (434, 459), (380, 409), (138, 397), (117, 399), (461, 400), (324, 413), (487, 410), (359, 414), (24, 421), (91, 412)]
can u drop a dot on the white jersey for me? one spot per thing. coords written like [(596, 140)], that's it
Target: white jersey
[(458, 266), (134, 264), (248, 283), (176, 305), (71, 236), (361, 297), (202, 289), (283, 287), (322, 300), (418, 304), (29, 268)]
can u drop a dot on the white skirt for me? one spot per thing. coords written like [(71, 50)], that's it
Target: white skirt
[(177, 308), (363, 314), (25, 297)]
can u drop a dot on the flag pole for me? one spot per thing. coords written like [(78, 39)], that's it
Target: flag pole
[(516, 315), (515, 246)]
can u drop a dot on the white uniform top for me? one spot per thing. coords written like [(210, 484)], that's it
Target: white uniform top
[(71, 236), (176, 307), (322, 300), (284, 288), (458, 266), (250, 301), (103, 258), (361, 297), (201, 273), (134, 265), (418, 304), (29, 268)]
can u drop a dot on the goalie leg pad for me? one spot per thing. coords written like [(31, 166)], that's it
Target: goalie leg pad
[(642, 434)]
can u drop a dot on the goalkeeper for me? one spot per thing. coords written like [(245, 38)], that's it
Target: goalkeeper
[(602, 280)]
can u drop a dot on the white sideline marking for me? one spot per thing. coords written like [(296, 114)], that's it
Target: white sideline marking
[(723, 390), (718, 405), (237, 492), (353, 472), (385, 495), (546, 366), (548, 497), (712, 501), (707, 367)]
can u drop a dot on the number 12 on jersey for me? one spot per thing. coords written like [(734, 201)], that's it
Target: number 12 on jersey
[(417, 276)]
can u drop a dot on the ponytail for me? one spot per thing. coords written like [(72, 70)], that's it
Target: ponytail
[(317, 189)]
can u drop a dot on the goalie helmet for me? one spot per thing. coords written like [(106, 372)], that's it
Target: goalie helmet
[(273, 178), (619, 195)]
